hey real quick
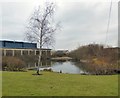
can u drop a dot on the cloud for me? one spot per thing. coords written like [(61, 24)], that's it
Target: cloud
[(85, 23), (14, 17), (82, 22)]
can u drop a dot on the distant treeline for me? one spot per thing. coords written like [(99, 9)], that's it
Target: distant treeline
[(97, 56)]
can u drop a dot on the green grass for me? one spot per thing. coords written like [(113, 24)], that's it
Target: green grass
[(56, 84), (0, 84)]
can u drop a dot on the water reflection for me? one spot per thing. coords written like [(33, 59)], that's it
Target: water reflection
[(68, 66), (64, 67), (71, 67)]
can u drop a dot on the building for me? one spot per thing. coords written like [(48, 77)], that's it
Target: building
[(60, 53), (15, 48), (15, 44)]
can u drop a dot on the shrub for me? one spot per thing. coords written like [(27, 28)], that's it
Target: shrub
[(0, 63), (87, 51), (100, 60), (12, 64)]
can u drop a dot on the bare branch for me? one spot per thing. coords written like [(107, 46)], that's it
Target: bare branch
[(40, 28)]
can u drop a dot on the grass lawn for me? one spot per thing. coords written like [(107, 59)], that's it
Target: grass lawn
[(56, 84), (0, 84)]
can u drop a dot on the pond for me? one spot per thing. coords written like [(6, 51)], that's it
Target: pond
[(71, 67), (64, 67)]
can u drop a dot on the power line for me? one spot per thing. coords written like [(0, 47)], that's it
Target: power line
[(108, 25)]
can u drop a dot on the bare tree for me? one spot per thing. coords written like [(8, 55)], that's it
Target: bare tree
[(41, 28)]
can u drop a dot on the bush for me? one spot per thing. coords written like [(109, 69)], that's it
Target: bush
[(12, 64), (100, 60), (87, 52), (0, 63)]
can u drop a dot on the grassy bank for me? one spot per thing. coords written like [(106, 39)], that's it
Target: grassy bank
[(56, 84)]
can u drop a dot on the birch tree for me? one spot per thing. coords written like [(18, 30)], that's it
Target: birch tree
[(41, 28)]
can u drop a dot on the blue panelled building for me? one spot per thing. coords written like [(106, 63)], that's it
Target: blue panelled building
[(16, 48), (15, 44)]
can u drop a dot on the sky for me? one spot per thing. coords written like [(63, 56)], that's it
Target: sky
[(82, 22)]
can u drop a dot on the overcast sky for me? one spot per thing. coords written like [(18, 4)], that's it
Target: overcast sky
[(82, 22)]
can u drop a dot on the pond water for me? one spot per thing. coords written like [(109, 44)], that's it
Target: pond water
[(64, 67), (72, 67)]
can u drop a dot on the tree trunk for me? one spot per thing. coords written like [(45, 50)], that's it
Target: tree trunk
[(39, 61)]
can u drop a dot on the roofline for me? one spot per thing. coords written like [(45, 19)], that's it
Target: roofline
[(17, 41), (27, 48)]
